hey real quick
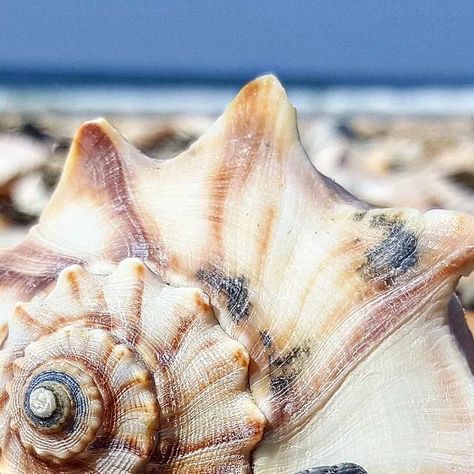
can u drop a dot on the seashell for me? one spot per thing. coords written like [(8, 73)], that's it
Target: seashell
[(359, 355), (121, 373), (379, 174), (19, 155)]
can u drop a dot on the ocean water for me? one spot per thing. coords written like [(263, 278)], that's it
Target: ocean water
[(191, 99)]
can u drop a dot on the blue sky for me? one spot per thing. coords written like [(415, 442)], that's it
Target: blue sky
[(309, 40)]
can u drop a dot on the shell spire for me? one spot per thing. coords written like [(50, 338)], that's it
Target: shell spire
[(97, 384), (342, 309)]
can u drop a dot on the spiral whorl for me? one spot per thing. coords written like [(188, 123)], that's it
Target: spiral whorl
[(79, 389)]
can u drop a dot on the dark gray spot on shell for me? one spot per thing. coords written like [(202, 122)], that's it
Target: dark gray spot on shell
[(344, 468), (289, 357), (233, 288), (381, 220), (266, 339), (280, 384), (285, 366), (394, 255)]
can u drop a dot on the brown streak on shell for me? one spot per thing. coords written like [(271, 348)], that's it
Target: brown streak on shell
[(239, 433), (265, 236), (105, 173), (241, 358), (30, 255), (3, 335), (202, 304), (74, 284), (108, 442), (3, 401), (25, 317), (248, 132), (107, 176), (180, 335)]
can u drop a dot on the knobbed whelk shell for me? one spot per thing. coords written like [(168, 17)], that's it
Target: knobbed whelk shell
[(343, 309)]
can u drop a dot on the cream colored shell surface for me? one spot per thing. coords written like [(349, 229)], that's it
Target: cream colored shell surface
[(342, 309)]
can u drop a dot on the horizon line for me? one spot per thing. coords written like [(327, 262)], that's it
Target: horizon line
[(22, 77)]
